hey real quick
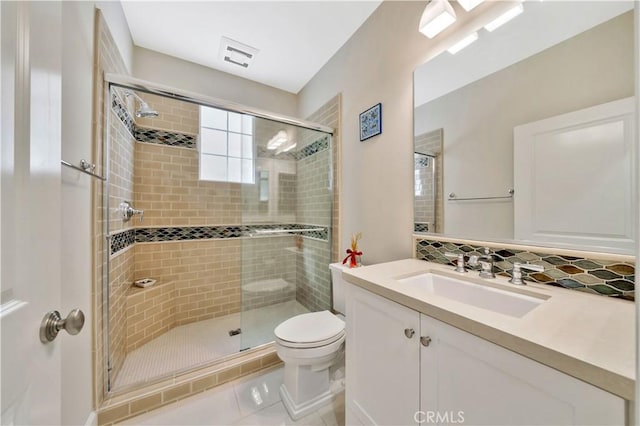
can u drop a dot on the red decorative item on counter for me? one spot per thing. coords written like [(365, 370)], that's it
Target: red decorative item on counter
[(353, 253)]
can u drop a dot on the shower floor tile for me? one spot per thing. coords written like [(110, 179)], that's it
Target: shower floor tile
[(201, 342)]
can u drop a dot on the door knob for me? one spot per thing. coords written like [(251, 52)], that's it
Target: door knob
[(409, 332), (425, 340), (52, 323)]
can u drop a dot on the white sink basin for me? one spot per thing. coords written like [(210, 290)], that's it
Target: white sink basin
[(478, 295)]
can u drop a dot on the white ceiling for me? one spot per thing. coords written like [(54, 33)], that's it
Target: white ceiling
[(294, 38)]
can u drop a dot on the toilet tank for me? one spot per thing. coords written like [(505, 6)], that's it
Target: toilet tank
[(337, 284)]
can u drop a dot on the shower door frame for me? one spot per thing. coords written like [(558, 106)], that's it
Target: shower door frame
[(125, 82)]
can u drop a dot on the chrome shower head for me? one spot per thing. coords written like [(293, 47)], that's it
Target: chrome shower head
[(145, 111)]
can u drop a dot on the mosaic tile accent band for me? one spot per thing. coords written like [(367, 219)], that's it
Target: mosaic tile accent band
[(420, 227), (162, 137), (313, 148), (596, 276), (122, 240), (123, 114), (421, 161)]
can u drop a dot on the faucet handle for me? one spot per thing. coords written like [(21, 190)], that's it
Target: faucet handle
[(460, 263), (474, 260), (516, 274)]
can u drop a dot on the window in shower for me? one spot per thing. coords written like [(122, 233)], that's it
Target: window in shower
[(226, 146)]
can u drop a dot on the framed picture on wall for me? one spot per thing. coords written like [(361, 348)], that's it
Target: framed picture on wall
[(371, 122)]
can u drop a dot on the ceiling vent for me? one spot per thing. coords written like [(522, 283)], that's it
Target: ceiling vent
[(237, 53)]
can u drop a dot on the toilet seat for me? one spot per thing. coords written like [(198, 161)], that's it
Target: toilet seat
[(309, 345), (310, 330)]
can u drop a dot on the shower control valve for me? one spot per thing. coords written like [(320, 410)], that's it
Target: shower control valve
[(128, 211)]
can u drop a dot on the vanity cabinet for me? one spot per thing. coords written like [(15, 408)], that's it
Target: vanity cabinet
[(439, 374)]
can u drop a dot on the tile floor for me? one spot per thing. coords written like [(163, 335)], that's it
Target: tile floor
[(201, 342), (252, 400)]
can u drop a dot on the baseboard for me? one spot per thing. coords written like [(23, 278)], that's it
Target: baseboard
[(92, 420)]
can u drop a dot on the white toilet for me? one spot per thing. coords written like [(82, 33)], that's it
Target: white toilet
[(312, 349)]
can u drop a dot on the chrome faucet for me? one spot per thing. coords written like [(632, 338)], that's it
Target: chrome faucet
[(460, 263), (485, 261), (516, 274)]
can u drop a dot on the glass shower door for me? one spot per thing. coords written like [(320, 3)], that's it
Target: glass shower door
[(286, 214)]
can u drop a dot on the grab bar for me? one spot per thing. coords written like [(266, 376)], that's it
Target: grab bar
[(85, 167), (454, 197)]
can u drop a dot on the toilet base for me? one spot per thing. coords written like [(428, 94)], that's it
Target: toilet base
[(298, 411)]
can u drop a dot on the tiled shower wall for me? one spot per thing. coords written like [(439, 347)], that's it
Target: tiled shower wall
[(313, 288), (330, 115), (596, 273), (121, 267), (206, 275), (428, 205), (107, 60), (173, 116), (169, 191)]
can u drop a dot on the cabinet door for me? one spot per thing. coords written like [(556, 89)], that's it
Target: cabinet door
[(382, 362), (470, 380)]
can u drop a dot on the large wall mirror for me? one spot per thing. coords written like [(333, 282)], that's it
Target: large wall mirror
[(528, 133)]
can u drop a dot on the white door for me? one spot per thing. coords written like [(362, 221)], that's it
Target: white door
[(573, 178), (30, 215)]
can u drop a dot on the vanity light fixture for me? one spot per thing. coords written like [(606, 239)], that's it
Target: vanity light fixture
[(287, 148), (278, 140), (504, 18), (437, 16), (469, 4), (463, 43)]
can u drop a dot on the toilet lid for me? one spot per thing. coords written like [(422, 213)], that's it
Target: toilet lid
[(310, 328)]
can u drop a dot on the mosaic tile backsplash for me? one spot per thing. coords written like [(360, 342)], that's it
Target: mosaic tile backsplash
[(596, 276)]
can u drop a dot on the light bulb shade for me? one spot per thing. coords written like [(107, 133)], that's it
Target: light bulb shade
[(437, 16), (469, 4), (505, 17), (278, 140), (463, 43)]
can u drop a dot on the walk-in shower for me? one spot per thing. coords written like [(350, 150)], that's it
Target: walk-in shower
[(232, 228)]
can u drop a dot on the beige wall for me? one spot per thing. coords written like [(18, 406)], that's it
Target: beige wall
[(376, 65), (168, 70), (589, 69)]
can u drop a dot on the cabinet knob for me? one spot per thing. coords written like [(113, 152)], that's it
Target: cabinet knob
[(425, 340), (409, 332)]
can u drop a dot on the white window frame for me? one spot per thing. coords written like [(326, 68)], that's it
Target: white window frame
[(247, 149)]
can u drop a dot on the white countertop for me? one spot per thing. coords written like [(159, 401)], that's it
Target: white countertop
[(587, 336)]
